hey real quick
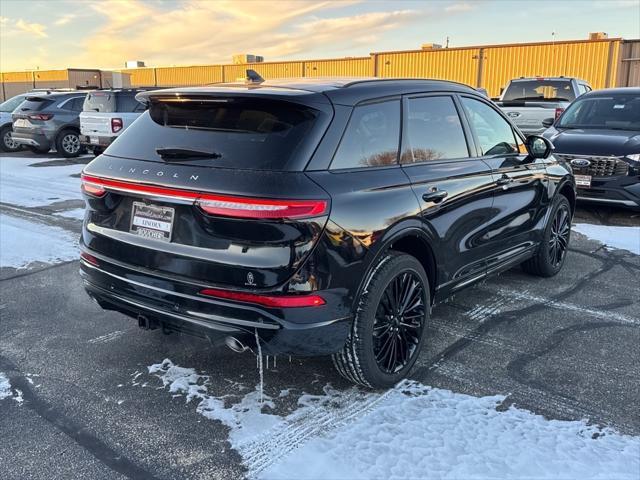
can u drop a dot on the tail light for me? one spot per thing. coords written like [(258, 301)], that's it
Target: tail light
[(223, 205), (558, 112), (89, 259), (116, 125), (91, 186), (276, 301), (41, 116), (260, 208)]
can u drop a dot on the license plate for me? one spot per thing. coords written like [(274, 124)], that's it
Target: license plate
[(152, 221), (22, 122), (94, 140), (583, 180)]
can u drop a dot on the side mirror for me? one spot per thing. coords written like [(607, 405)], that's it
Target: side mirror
[(547, 122), (539, 147)]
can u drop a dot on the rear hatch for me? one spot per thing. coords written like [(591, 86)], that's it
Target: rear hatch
[(30, 114), (211, 189)]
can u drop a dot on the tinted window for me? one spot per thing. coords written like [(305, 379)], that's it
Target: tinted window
[(539, 90), (247, 133), (371, 138), (433, 131), (493, 133), (613, 112), (76, 104)]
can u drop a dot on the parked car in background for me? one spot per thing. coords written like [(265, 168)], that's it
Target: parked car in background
[(529, 101), (295, 212), (7, 144), (44, 121), (106, 114), (599, 135)]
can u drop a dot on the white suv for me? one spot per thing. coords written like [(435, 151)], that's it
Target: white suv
[(106, 114)]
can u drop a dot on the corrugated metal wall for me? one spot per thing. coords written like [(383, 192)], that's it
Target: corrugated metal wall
[(456, 64), (629, 69), (266, 70), (342, 67), (603, 63), (185, 76)]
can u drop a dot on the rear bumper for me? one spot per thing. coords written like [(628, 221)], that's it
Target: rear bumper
[(621, 191), (32, 139), (96, 141), (176, 306)]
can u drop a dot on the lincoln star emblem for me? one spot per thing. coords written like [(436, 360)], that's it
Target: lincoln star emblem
[(580, 162), (250, 279)]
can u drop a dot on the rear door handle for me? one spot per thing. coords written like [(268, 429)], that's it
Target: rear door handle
[(435, 196)]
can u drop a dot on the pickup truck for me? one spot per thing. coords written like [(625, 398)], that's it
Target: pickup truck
[(530, 101)]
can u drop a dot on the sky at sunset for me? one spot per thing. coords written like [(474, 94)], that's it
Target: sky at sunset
[(103, 34)]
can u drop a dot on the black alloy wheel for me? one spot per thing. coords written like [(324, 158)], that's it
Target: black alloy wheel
[(399, 321), (559, 238)]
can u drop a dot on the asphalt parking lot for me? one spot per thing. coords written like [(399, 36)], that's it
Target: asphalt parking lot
[(567, 348)]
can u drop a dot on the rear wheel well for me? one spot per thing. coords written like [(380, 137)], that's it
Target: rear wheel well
[(417, 247), (568, 192)]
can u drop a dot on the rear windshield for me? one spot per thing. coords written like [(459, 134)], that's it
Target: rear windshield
[(619, 112), (11, 104), (539, 91), (109, 102), (244, 133), (34, 104)]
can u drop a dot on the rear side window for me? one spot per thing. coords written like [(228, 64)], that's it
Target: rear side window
[(76, 104), (243, 133), (34, 104), (371, 138), (433, 131), (493, 133), (539, 90), (126, 102)]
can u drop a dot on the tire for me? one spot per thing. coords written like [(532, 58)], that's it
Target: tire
[(362, 360), (38, 150), (68, 143), (97, 151), (552, 253), (6, 144)]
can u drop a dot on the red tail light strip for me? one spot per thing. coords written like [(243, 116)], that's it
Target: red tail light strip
[(242, 207), (283, 301), (89, 259)]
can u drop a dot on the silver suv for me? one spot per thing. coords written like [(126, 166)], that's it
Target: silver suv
[(43, 122)]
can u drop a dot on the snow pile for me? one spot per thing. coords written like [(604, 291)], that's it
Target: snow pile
[(411, 431), (29, 186), (23, 242), (625, 238), (5, 387)]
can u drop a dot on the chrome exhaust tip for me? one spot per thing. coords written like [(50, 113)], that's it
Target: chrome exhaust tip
[(236, 345)]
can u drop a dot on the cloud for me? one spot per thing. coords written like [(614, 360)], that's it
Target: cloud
[(64, 19), (32, 28), (11, 27), (459, 7), (198, 32)]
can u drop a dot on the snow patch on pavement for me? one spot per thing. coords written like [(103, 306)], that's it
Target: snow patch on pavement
[(5, 387), (422, 432), (410, 431), (624, 238), (29, 186), (76, 214), (23, 242)]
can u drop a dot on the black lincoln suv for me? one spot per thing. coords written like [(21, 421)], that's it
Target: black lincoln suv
[(317, 217), (599, 135)]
